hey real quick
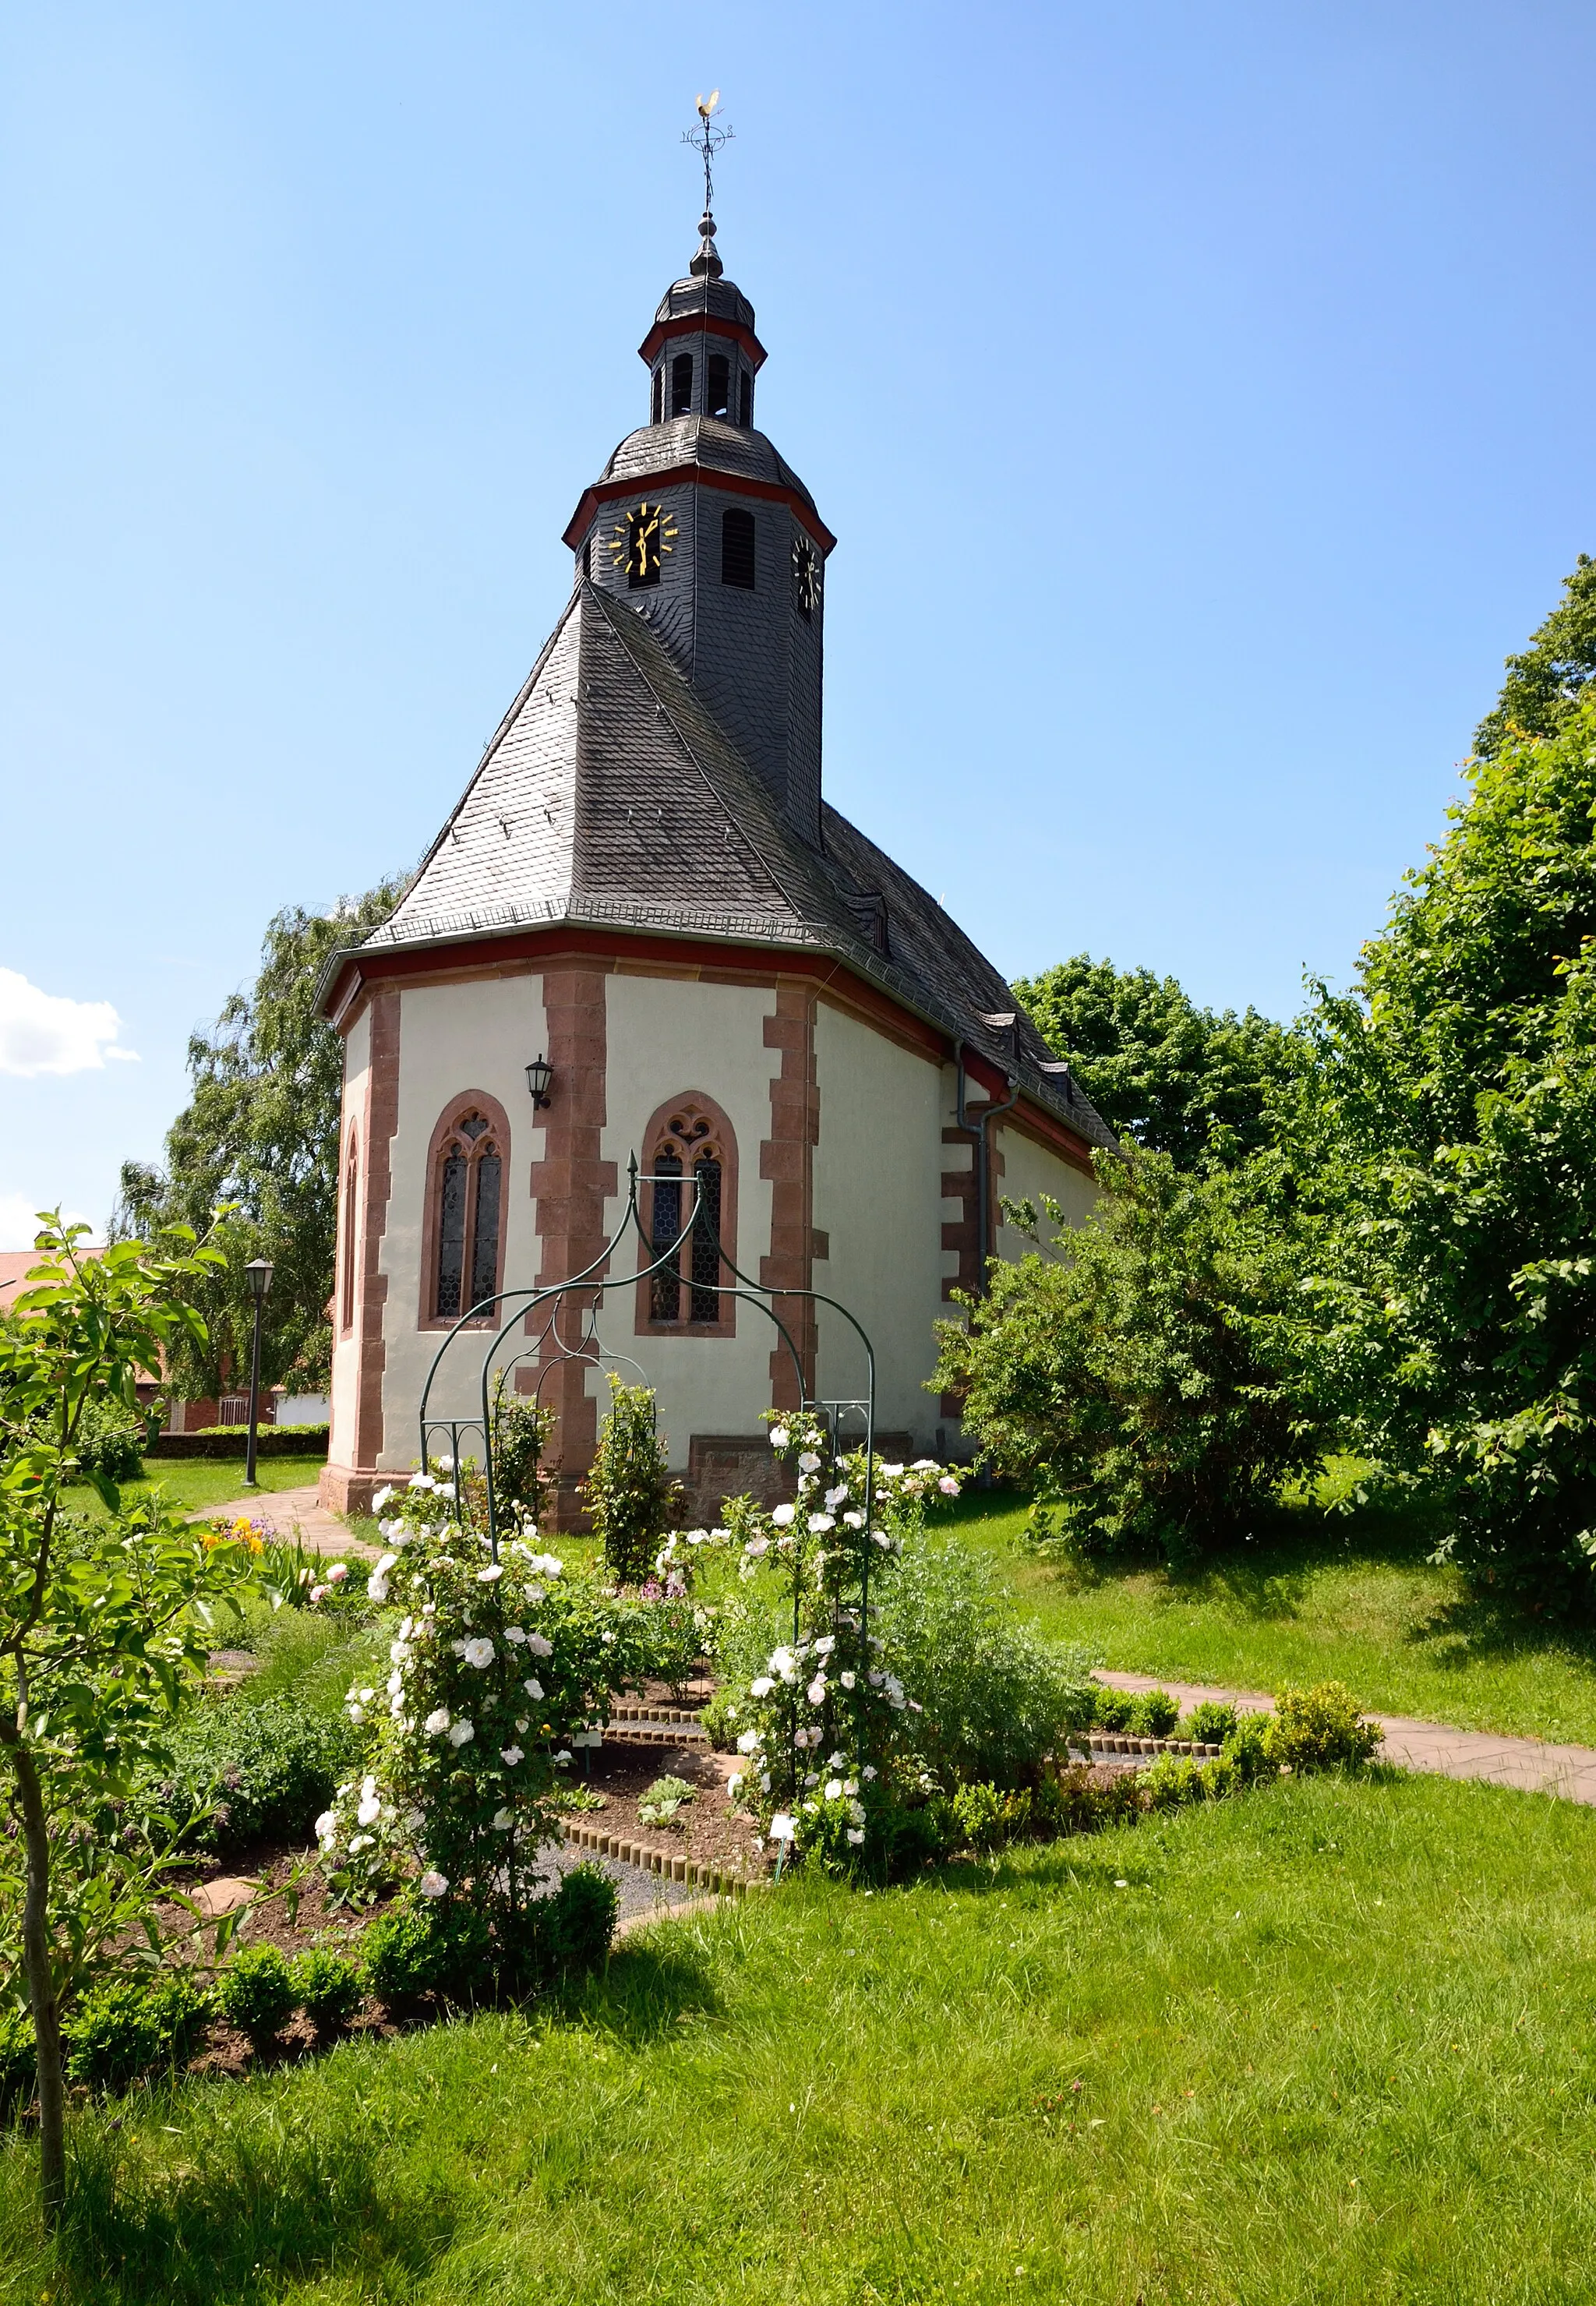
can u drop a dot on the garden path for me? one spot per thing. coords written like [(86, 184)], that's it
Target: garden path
[(1524, 1762), (296, 1513)]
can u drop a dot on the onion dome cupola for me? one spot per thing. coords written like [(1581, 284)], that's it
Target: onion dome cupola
[(703, 529)]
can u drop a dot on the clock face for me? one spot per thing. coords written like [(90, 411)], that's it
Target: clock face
[(639, 541), (806, 577)]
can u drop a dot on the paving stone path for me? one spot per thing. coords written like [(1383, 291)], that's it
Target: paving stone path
[(296, 1513), (1524, 1762)]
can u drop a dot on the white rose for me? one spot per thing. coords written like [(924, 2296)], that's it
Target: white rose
[(432, 1884), (539, 1645), (782, 1515), (510, 1754), (780, 1439), (479, 1652), (808, 1463), (461, 1733), (517, 1634), (533, 1689), (748, 1742), (436, 1723), (326, 1826)]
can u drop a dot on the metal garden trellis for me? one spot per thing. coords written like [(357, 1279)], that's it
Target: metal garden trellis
[(593, 1282)]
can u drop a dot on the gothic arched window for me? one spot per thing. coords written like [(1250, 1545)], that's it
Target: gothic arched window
[(692, 1159), (718, 400), (681, 385), (736, 549), (463, 1257)]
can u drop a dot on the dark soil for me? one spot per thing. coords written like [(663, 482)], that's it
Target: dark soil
[(707, 1829)]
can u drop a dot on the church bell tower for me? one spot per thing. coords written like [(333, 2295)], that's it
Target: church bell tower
[(699, 526)]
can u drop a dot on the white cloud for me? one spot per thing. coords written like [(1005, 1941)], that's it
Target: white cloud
[(47, 1033), (19, 1220)]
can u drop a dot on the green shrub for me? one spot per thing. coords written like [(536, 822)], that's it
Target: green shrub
[(1145, 1370), (664, 1799), (985, 1817), (255, 1993), (631, 1498), (1071, 1801), (110, 1442), (521, 1432), (18, 2064), (1173, 1781), (726, 1715), (1319, 1728), (264, 1768), (978, 1815), (1209, 1723), (1222, 1777), (997, 1698), (1155, 1713), (671, 1640), (1113, 1709), (1248, 1746), (578, 1924), (133, 2026), (328, 1987), (424, 1946)]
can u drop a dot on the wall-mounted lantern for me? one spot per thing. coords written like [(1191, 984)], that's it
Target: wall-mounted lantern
[(539, 1072)]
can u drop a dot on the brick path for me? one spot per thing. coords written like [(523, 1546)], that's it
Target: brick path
[(1525, 1762)]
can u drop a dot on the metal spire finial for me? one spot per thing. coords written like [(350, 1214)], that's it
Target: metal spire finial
[(707, 138)]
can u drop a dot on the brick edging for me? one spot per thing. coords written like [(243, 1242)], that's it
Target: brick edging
[(721, 1880)]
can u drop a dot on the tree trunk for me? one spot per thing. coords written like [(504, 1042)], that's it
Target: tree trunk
[(41, 1992)]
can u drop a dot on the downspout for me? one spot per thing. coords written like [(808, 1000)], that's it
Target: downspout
[(978, 1129)]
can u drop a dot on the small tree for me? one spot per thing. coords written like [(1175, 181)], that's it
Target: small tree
[(1145, 1372), (521, 1430), (105, 1630), (632, 1499)]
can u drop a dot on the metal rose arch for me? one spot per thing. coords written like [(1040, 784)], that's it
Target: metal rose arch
[(587, 1290)]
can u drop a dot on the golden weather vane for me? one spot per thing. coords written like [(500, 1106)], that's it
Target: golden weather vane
[(707, 139)]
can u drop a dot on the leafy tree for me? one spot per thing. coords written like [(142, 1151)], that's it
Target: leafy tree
[(1144, 1370), (1196, 1084), (104, 1628), (1544, 684), (260, 1134), (1449, 1134)]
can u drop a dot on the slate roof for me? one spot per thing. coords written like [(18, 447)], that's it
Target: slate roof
[(610, 797), (709, 443)]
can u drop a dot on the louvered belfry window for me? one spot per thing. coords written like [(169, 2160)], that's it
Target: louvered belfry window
[(469, 1179), (719, 398), (681, 385), (744, 416), (688, 1167), (736, 549)]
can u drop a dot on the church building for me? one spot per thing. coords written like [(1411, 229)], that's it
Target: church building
[(645, 888)]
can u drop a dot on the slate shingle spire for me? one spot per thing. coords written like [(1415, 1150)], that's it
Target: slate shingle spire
[(702, 529)]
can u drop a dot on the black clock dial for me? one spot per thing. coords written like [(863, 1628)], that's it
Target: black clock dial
[(806, 577)]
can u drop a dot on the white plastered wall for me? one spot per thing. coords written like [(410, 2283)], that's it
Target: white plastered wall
[(1030, 1170), (345, 1348), (477, 1034), (878, 1197), (667, 1036)]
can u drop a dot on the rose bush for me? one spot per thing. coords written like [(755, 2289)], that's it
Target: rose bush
[(826, 1759), (500, 1669)]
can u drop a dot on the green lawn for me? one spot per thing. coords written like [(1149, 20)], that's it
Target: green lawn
[(1351, 1598), (192, 1483), (1333, 2042)]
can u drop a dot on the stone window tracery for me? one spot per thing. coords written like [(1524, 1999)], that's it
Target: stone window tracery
[(463, 1262), (692, 1157)]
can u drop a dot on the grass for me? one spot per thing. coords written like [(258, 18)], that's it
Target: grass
[(1321, 1596), (192, 1483), (1332, 2043)]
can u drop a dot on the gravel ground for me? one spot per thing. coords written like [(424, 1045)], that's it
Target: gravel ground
[(640, 1892)]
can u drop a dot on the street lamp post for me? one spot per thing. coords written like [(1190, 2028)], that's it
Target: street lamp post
[(258, 1274)]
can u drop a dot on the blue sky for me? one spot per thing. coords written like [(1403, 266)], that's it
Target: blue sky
[(1200, 396)]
